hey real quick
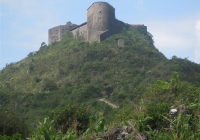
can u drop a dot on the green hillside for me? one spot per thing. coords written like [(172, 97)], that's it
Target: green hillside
[(79, 72), (75, 62)]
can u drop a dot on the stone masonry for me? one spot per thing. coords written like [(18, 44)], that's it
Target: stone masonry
[(101, 23)]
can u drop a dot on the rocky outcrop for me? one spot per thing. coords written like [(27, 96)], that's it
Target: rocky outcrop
[(122, 133)]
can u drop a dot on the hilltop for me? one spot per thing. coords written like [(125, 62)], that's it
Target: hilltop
[(79, 72), (72, 62)]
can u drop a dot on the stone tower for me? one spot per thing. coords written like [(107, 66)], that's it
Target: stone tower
[(100, 21)]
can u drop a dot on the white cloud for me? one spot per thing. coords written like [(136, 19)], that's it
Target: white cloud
[(29, 23), (172, 34), (177, 37), (17, 3), (33, 38), (197, 50), (169, 40), (197, 26), (139, 4), (197, 56), (11, 7)]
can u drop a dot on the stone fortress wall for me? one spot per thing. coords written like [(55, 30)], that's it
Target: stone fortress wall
[(101, 23), (58, 32), (80, 30)]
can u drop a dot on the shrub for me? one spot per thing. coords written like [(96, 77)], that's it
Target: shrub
[(156, 111), (49, 84), (72, 117)]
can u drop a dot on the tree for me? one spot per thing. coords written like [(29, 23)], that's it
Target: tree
[(10, 124), (43, 44)]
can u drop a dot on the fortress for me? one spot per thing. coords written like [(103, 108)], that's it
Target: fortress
[(101, 23)]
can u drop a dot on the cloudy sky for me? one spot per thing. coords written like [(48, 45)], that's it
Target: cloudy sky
[(175, 24)]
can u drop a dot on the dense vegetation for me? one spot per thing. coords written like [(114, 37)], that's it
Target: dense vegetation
[(63, 82)]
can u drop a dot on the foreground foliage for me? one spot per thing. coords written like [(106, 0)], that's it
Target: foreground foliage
[(149, 117)]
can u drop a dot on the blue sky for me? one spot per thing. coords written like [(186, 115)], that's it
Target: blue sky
[(175, 24)]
